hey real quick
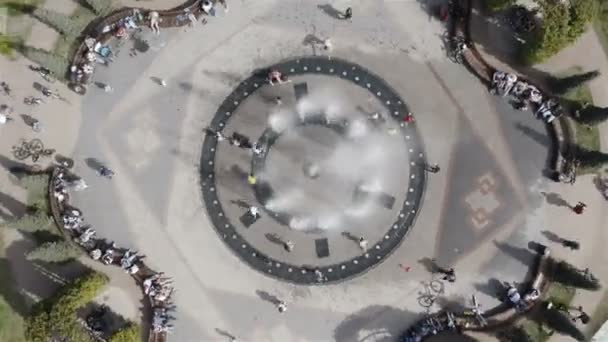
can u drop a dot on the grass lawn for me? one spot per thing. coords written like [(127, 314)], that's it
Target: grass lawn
[(586, 136), (601, 25), (12, 11), (556, 293), (11, 323), (65, 45)]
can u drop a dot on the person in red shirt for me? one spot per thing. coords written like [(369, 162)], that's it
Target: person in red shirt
[(579, 208)]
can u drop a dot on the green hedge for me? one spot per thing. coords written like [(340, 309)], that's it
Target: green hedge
[(129, 333), (56, 316), (499, 5), (562, 24), (56, 251)]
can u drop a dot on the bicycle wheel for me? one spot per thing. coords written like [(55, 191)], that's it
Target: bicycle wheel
[(426, 301), (20, 153), (36, 146), (437, 286)]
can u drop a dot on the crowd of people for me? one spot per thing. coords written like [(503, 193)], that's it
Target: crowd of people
[(156, 286)]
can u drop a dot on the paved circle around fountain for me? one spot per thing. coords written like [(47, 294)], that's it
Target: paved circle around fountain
[(254, 254)]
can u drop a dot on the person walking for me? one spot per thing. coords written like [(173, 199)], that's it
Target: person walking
[(288, 245), (278, 101), (579, 208), (348, 14), (434, 168), (363, 243), (251, 179), (327, 44), (281, 306), (448, 274), (254, 211)]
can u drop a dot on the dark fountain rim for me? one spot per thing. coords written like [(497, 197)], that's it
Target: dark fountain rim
[(380, 250)]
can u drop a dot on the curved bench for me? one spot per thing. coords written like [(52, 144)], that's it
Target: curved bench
[(57, 208), (559, 130), (174, 17)]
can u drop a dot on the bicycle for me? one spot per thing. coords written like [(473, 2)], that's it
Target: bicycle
[(432, 289), (33, 148)]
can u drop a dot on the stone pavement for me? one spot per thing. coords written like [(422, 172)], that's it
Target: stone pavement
[(479, 212)]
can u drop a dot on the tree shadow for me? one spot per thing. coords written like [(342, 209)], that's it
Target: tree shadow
[(493, 288), (538, 137), (429, 264), (377, 323), (15, 207), (17, 169), (265, 296), (521, 254), (455, 303), (331, 11), (555, 199), (551, 236)]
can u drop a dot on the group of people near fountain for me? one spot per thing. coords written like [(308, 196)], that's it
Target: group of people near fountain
[(525, 95), (155, 285)]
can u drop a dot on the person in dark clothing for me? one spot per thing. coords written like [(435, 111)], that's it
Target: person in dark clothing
[(348, 14)]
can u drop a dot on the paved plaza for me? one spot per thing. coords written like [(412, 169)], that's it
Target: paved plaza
[(328, 174)]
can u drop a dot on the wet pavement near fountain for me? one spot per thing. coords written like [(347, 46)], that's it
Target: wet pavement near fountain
[(365, 171)]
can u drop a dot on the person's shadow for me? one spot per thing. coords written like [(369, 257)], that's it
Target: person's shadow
[(268, 297), (551, 236), (93, 163), (330, 11), (556, 199)]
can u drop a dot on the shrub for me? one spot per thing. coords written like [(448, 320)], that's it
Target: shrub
[(129, 333), (100, 7), (563, 23), (31, 222), (499, 5), (57, 251), (60, 22), (513, 334), (37, 191), (55, 317)]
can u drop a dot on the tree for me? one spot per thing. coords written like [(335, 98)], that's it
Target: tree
[(561, 86), (56, 316), (129, 333), (58, 21), (100, 7), (563, 22), (56, 251)]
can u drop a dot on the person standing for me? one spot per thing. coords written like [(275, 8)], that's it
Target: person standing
[(281, 306), (348, 14), (288, 245), (363, 243), (433, 168), (448, 274), (579, 208)]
